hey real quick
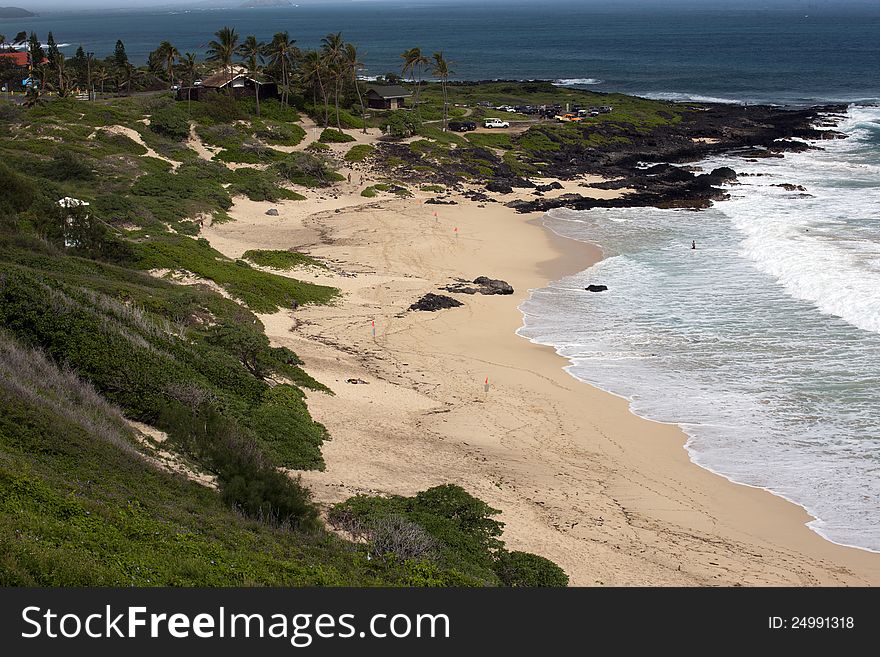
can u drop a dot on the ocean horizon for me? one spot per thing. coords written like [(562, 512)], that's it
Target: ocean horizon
[(790, 56)]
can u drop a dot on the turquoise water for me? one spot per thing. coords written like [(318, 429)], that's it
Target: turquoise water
[(783, 56)]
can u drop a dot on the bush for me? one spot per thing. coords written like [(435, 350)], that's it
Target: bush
[(66, 165), (331, 136), (401, 125), (171, 122), (221, 108), (359, 153), (526, 569), (17, 191), (283, 135), (310, 170), (259, 186)]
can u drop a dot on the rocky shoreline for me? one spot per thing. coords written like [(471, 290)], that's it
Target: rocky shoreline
[(627, 154), (751, 131)]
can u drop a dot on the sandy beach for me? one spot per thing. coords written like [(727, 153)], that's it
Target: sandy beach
[(609, 496)]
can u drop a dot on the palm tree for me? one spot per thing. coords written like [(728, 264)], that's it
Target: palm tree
[(354, 65), (413, 62), (61, 83), (281, 53), (188, 71), (3, 43), (99, 74), (312, 73), (252, 53), (223, 49), (129, 74), (442, 71), (333, 51), (167, 55), (20, 38)]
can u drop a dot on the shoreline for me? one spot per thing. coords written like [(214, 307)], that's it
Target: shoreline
[(612, 497), (559, 271)]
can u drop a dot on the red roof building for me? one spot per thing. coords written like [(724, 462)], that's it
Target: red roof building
[(19, 58)]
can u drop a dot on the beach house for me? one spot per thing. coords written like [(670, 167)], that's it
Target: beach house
[(390, 97), (241, 84)]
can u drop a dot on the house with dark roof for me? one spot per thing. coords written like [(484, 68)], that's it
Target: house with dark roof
[(388, 97), (241, 84)]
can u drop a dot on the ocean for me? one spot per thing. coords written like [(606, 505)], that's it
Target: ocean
[(824, 51), (764, 342)]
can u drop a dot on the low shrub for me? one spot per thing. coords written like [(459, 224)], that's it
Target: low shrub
[(283, 260), (331, 136), (170, 121), (359, 153)]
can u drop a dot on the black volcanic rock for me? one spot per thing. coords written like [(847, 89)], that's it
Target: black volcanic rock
[(432, 302), (499, 186), (596, 288), (485, 285), (549, 187)]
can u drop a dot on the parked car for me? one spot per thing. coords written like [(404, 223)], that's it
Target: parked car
[(462, 126), (495, 123)]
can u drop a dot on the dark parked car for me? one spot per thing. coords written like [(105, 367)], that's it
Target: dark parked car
[(462, 126)]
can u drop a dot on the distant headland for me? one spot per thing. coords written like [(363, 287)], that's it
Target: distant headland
[(15, 12)]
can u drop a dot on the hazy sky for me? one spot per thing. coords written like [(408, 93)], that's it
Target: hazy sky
[(67, 5)]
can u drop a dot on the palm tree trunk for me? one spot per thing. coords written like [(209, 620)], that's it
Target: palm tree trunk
[(336, 99), (357, 86), (257, 86), (326, 103)]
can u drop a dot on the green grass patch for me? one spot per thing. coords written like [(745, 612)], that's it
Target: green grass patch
[(332, 136), (359, 153), (488, 140), (283, 260), (261, 291)]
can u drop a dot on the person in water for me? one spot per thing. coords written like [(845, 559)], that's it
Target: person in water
[(693, 244)]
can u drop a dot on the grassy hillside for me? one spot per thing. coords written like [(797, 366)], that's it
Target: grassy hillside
[(96, 335)]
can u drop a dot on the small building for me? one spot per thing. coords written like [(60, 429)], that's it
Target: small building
[(389, 97), (241, 84)]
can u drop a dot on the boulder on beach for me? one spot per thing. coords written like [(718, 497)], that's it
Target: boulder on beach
[(272, 212), (432, 302), (485, 285), (596, 288)]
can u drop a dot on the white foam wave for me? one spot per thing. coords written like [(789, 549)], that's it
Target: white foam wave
[(692, 98), (726, 340), (568, 82)]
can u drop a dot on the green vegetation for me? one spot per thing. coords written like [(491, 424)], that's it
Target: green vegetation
[(261, 291), (447, 527), (359, 153), (331, 136), (490, 140), (307, 169), (90, 341), (259, 186), (283, 260)]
